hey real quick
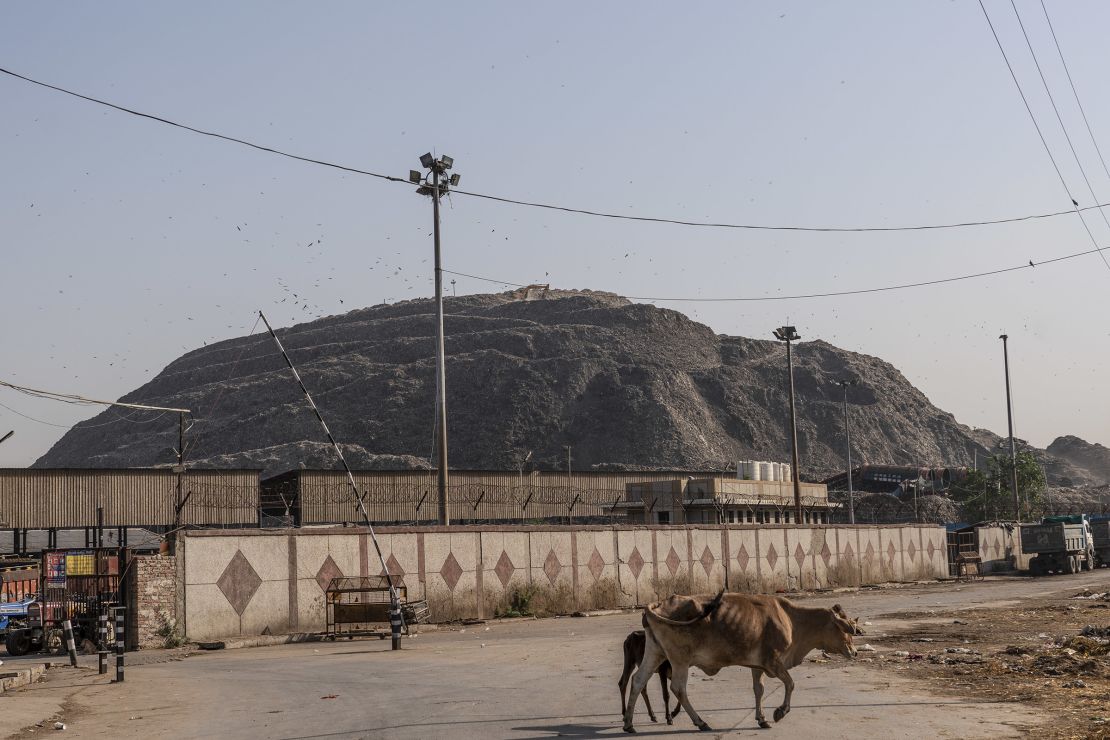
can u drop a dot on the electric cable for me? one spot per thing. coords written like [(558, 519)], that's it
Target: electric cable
[(1040, 133), (830, 294), (1074, 91), (1060, 118), (549, 206)]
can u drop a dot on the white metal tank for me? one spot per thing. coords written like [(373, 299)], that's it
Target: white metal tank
[(787, 473), (765, 471), (776, 471)]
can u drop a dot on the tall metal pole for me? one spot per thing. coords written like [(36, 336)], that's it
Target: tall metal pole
[(1010, 421), (395, 617), (441, 375), (794, 439), (848, 447)]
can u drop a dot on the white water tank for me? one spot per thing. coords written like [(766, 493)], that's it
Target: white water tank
[(787, 476), (749, 470), (765, 471), (776, 471)]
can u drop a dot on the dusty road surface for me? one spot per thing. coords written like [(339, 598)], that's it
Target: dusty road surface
[(533, 679)]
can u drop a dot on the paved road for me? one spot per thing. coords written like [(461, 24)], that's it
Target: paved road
[(533, 679)]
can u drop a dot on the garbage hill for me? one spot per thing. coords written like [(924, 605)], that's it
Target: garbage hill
[(626, 385)]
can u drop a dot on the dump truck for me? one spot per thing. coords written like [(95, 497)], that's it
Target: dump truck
[(1059, 544), (1100, 533)]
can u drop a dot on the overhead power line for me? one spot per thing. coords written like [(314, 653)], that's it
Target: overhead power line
[(830, 294), (1059, 118), (75, 399), (550, 206), (1074, 91), (1040, 133)]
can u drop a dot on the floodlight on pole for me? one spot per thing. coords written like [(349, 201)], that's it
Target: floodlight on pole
[(789, 334), (434, 186)]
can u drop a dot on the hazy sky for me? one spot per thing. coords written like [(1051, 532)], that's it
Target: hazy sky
[(128, 242)]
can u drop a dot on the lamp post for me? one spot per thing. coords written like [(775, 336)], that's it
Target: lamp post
[(1010, 421), (848, 448), (437, 188), (789, 334)]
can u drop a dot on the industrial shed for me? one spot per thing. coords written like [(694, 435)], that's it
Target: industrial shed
[(309, 497), (66, 498)]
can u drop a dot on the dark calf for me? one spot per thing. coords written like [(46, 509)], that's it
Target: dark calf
[(633, 656)]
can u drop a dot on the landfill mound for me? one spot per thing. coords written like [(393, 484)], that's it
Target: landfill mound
[(628, 386)]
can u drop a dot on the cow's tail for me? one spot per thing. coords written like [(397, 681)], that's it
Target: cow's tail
[(709, 608)]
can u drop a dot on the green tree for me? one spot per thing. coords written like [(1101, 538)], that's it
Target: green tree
[(987, 493)]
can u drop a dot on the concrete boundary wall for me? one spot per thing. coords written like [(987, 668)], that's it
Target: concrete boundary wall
[(258, 581)]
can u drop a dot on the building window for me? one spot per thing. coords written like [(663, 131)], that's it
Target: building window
[(664, 517), (776, 517)]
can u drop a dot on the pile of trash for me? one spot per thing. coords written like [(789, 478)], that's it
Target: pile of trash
[(1090, 595)]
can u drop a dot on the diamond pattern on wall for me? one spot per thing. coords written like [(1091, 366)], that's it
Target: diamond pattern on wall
[(673, 561), (826, 553), (451, 571), (772, 556), (890, 552), (997, 551), (931, 550), (707, 560), (911, 551), (869, 553), (799, 555), (635, 562), (394, 569), (552, 567), (504, 568), (239, 582), (596, 564), (849, 553), (742, 558), (328, 570)]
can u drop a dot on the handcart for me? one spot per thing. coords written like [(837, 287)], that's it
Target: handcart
[(358, 606)]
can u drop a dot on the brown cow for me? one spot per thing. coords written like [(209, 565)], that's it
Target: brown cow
[(768, 634), (633, 657)]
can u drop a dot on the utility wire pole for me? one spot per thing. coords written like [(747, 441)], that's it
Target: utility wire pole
[(179, 504), (437, 188), (1010, 420), (789, 334)]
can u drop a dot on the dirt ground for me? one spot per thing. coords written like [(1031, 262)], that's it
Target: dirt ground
[(1050, 653), (1003, 657)]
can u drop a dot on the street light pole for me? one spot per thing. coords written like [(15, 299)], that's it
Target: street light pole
[(436, 188), (848, 448), (789, 334), (1010, 421)]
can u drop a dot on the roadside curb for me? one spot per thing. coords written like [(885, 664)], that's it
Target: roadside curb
[(17, 679), (234, 643)]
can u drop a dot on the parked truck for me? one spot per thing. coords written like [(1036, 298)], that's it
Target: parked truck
[(1100, 532), (1059, 544)]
